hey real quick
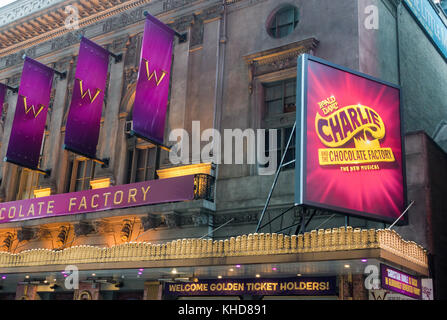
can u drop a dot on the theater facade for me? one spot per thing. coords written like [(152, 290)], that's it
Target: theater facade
[(119, 220)]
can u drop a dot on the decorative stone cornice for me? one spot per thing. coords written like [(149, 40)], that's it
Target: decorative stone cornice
[(20, 9), (276, 59), (329, 240), (44, 32), (15, 38)]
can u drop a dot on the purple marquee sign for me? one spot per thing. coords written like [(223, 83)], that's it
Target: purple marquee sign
[(84, 117), (151, 97), (31, 114), (301, 286), (400, 282), (117, 197)]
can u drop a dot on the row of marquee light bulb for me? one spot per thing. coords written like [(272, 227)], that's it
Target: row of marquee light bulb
[(174, 272)]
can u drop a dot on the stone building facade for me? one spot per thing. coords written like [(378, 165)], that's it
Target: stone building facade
[(233, 58)]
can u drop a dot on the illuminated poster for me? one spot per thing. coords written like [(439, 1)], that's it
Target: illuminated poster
[(349, 142)]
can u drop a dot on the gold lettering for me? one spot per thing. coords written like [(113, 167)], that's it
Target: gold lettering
[(107, 194), (83, 203), (50, 206), (83, 94), (153, 74), (71, 204), (121, 197), (93, 197), (32, 108), (9, 212), (145, 192), (40, 206), (1, 214), (132, 194), (31, 210), (20, 211)]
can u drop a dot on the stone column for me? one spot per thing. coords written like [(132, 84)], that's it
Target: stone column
[(359, 291), (108, 144), (7, 170), (152, 290), (345, 287), (179, 85), (52, 153)]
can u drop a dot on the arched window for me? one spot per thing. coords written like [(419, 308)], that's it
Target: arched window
[(283, 21)]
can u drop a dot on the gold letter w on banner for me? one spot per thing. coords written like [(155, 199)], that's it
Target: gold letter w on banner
[(32, 108), (153, 74), (83, 94)]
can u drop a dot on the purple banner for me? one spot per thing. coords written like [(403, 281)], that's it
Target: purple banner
[(151, 97), (400, 282), (84, 116), (31, 114), (2, 97), (122, 196), (301, 286)]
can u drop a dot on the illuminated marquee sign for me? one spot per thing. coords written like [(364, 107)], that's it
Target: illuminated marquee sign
[(400, 282), (303, 286), (349, 142), (117, 197)]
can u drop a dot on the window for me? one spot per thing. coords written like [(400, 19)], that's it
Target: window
[(141, 164), (82, 171), (283, 21), (279, 114), (280, 97), (28, 181)]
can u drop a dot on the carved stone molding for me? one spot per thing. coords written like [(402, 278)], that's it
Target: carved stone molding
[(118, 45), (200, 219), (20, 9), (182, 23), (84, 228), (27, 234), (277, 59), (150, 222), (130, 76), (174, 4), (172, 219)]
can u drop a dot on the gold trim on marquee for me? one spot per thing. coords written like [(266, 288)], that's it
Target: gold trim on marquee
[(336, 239)]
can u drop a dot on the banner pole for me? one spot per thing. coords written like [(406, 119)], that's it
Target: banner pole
[(103, 162), (117, 57), (46, 173), (405, 211), (62, 75), (181, 37)]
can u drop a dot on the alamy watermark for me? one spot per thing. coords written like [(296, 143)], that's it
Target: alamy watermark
[(239, 147), (72, 20), (372, 17), (372, 280), (71, 274)]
